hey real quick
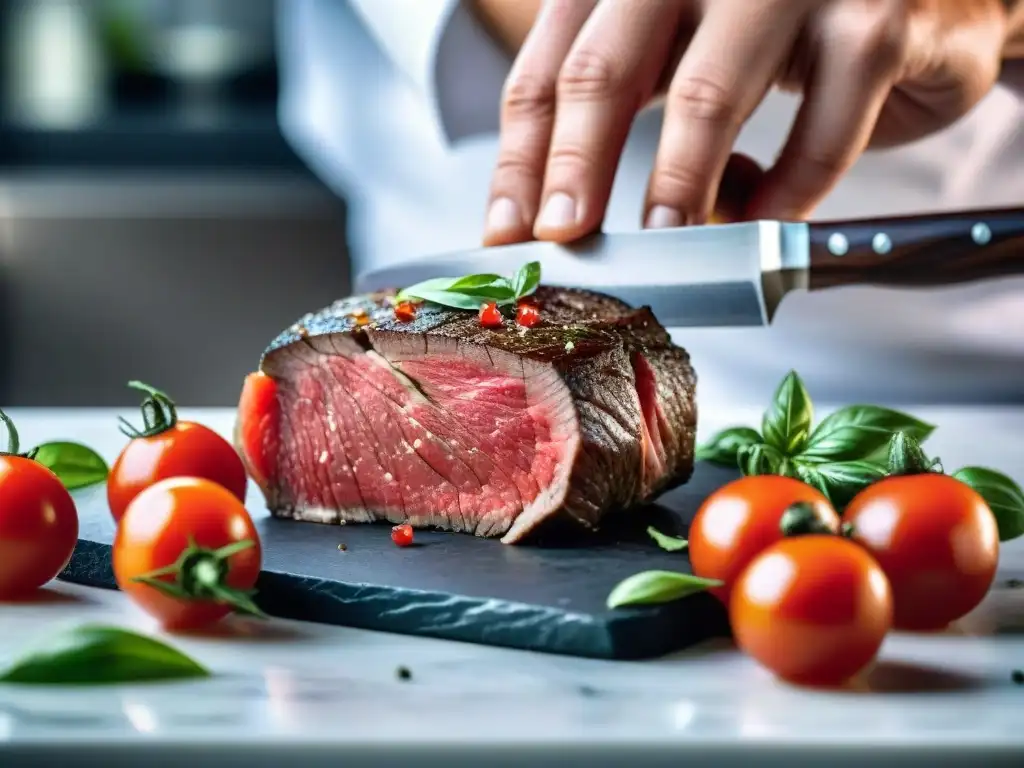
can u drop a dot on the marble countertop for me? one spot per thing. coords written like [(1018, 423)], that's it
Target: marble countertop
[(317, 694)]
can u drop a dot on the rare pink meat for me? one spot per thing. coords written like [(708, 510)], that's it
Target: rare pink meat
[(442, 423)]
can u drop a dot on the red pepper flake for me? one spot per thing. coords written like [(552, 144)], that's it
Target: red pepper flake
[(402, 535), (405, 311), (490, 315), (527, 315)]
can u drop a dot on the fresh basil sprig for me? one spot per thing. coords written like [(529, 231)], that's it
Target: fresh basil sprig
[(470, 291), (95, 654), (860, 431), (843, 454), (1003, 496), (77, 465), (648, 587), (666, 542), (725, 447), (787, 421)]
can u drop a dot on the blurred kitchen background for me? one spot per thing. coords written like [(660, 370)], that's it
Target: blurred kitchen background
[(154, 224)]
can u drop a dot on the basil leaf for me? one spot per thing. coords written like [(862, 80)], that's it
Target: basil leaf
[(666, 542), (77, 466), (527, 279), (485, 286), (650, 587), (840, 481), (810, 475), (759, 459), (1003, 496), (478, 281), (787, 422), (859, 431), (433, 284), (94, 654), (446, 299), (470, 291), (724, 447)]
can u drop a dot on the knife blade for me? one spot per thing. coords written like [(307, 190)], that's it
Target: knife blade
[(726, 275)]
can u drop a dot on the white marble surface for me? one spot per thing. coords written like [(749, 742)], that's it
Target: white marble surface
[(311, 694)]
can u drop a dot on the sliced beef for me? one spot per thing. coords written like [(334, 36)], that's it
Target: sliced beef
[(441, 422)]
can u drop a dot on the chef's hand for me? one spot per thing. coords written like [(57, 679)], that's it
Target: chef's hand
[(872, 72)]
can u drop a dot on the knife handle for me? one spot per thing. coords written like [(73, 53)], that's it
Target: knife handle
[(929, 250)]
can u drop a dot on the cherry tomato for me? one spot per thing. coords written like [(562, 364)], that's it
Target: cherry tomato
[(38, 525), (812, 609), (490, 315), (402, 535), (196, 518), (257, 428), (405, 311), (937, 541), (167, 447), (741, 518), (527, 315)]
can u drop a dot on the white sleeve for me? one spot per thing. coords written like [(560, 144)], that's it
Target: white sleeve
[(447, 55)]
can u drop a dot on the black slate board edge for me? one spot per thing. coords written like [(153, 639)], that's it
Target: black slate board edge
[(629, 633), (547, 597)]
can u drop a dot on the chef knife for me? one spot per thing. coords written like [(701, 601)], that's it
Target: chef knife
[(737, 274)]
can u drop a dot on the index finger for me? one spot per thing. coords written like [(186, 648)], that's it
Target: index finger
[(732, 60)]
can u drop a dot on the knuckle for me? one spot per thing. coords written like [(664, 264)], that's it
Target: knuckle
[(570, 160), (703, 99), (588, 75), (528, 96), (681, 186), (513, 165), (877, 37), (817, 170)]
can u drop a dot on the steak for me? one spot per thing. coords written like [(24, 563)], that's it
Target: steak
[(356, 416)]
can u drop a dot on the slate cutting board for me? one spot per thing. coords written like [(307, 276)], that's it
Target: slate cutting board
[(548, 597)]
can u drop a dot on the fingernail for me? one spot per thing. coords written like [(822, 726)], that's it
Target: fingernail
[(558, 212), (663, 217), (503, 216)]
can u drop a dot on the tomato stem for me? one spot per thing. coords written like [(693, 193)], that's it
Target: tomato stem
[(906, 457), (13, 440), (800, 519), (159, 413), (200, 573)]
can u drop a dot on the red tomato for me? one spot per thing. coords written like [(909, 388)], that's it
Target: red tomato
[(937, 541), (257, 430), (490, 315), (161, 524), (167, 447), (38, 526), (405, 311), (812, 609), (402, 535), (741, 518), (527, 314)]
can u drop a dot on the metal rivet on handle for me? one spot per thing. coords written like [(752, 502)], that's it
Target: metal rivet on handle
[(980, 233), (881, 243), (838, 245)]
